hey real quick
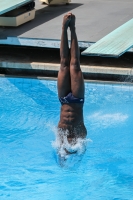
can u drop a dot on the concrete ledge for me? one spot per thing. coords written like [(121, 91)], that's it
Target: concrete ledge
[(51, 69), (55, 68), (36, 62)]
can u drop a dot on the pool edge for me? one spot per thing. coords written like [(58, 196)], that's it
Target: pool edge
[(50, 70)]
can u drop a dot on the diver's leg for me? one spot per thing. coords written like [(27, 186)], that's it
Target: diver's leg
[(77, 80), (64, 82)]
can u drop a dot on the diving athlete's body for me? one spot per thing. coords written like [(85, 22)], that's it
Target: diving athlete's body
[(71, 84)]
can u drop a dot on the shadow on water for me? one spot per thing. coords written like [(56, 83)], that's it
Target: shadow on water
[(43, 15), (36, 107), (34, 89)]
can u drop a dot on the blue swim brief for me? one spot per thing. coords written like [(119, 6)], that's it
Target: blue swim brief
[(70, 99)]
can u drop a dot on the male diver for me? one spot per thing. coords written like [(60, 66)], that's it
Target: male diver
[(70, 87)]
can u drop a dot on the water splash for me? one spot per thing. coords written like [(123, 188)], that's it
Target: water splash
[(68, 154)]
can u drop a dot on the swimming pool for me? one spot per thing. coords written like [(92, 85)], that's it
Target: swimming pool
[(29, 113)]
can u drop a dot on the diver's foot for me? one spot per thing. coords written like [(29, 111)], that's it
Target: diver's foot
[(72, 22), (66, 20)]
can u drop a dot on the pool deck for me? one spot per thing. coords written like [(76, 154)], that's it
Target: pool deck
[(95, 19)]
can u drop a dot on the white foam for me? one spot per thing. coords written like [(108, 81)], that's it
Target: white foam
[(78, 146), (107, 119)]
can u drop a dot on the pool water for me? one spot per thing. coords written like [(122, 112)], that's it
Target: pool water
[(29, 113)]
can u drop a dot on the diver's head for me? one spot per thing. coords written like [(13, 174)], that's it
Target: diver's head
[(70, 142)]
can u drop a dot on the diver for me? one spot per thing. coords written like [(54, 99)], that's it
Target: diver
[(70, 89)]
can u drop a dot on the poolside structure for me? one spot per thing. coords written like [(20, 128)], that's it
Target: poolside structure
[(17, 12), (94, 20), (115, 43)]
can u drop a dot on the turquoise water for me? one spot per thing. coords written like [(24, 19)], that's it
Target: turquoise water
[(29, 113)]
